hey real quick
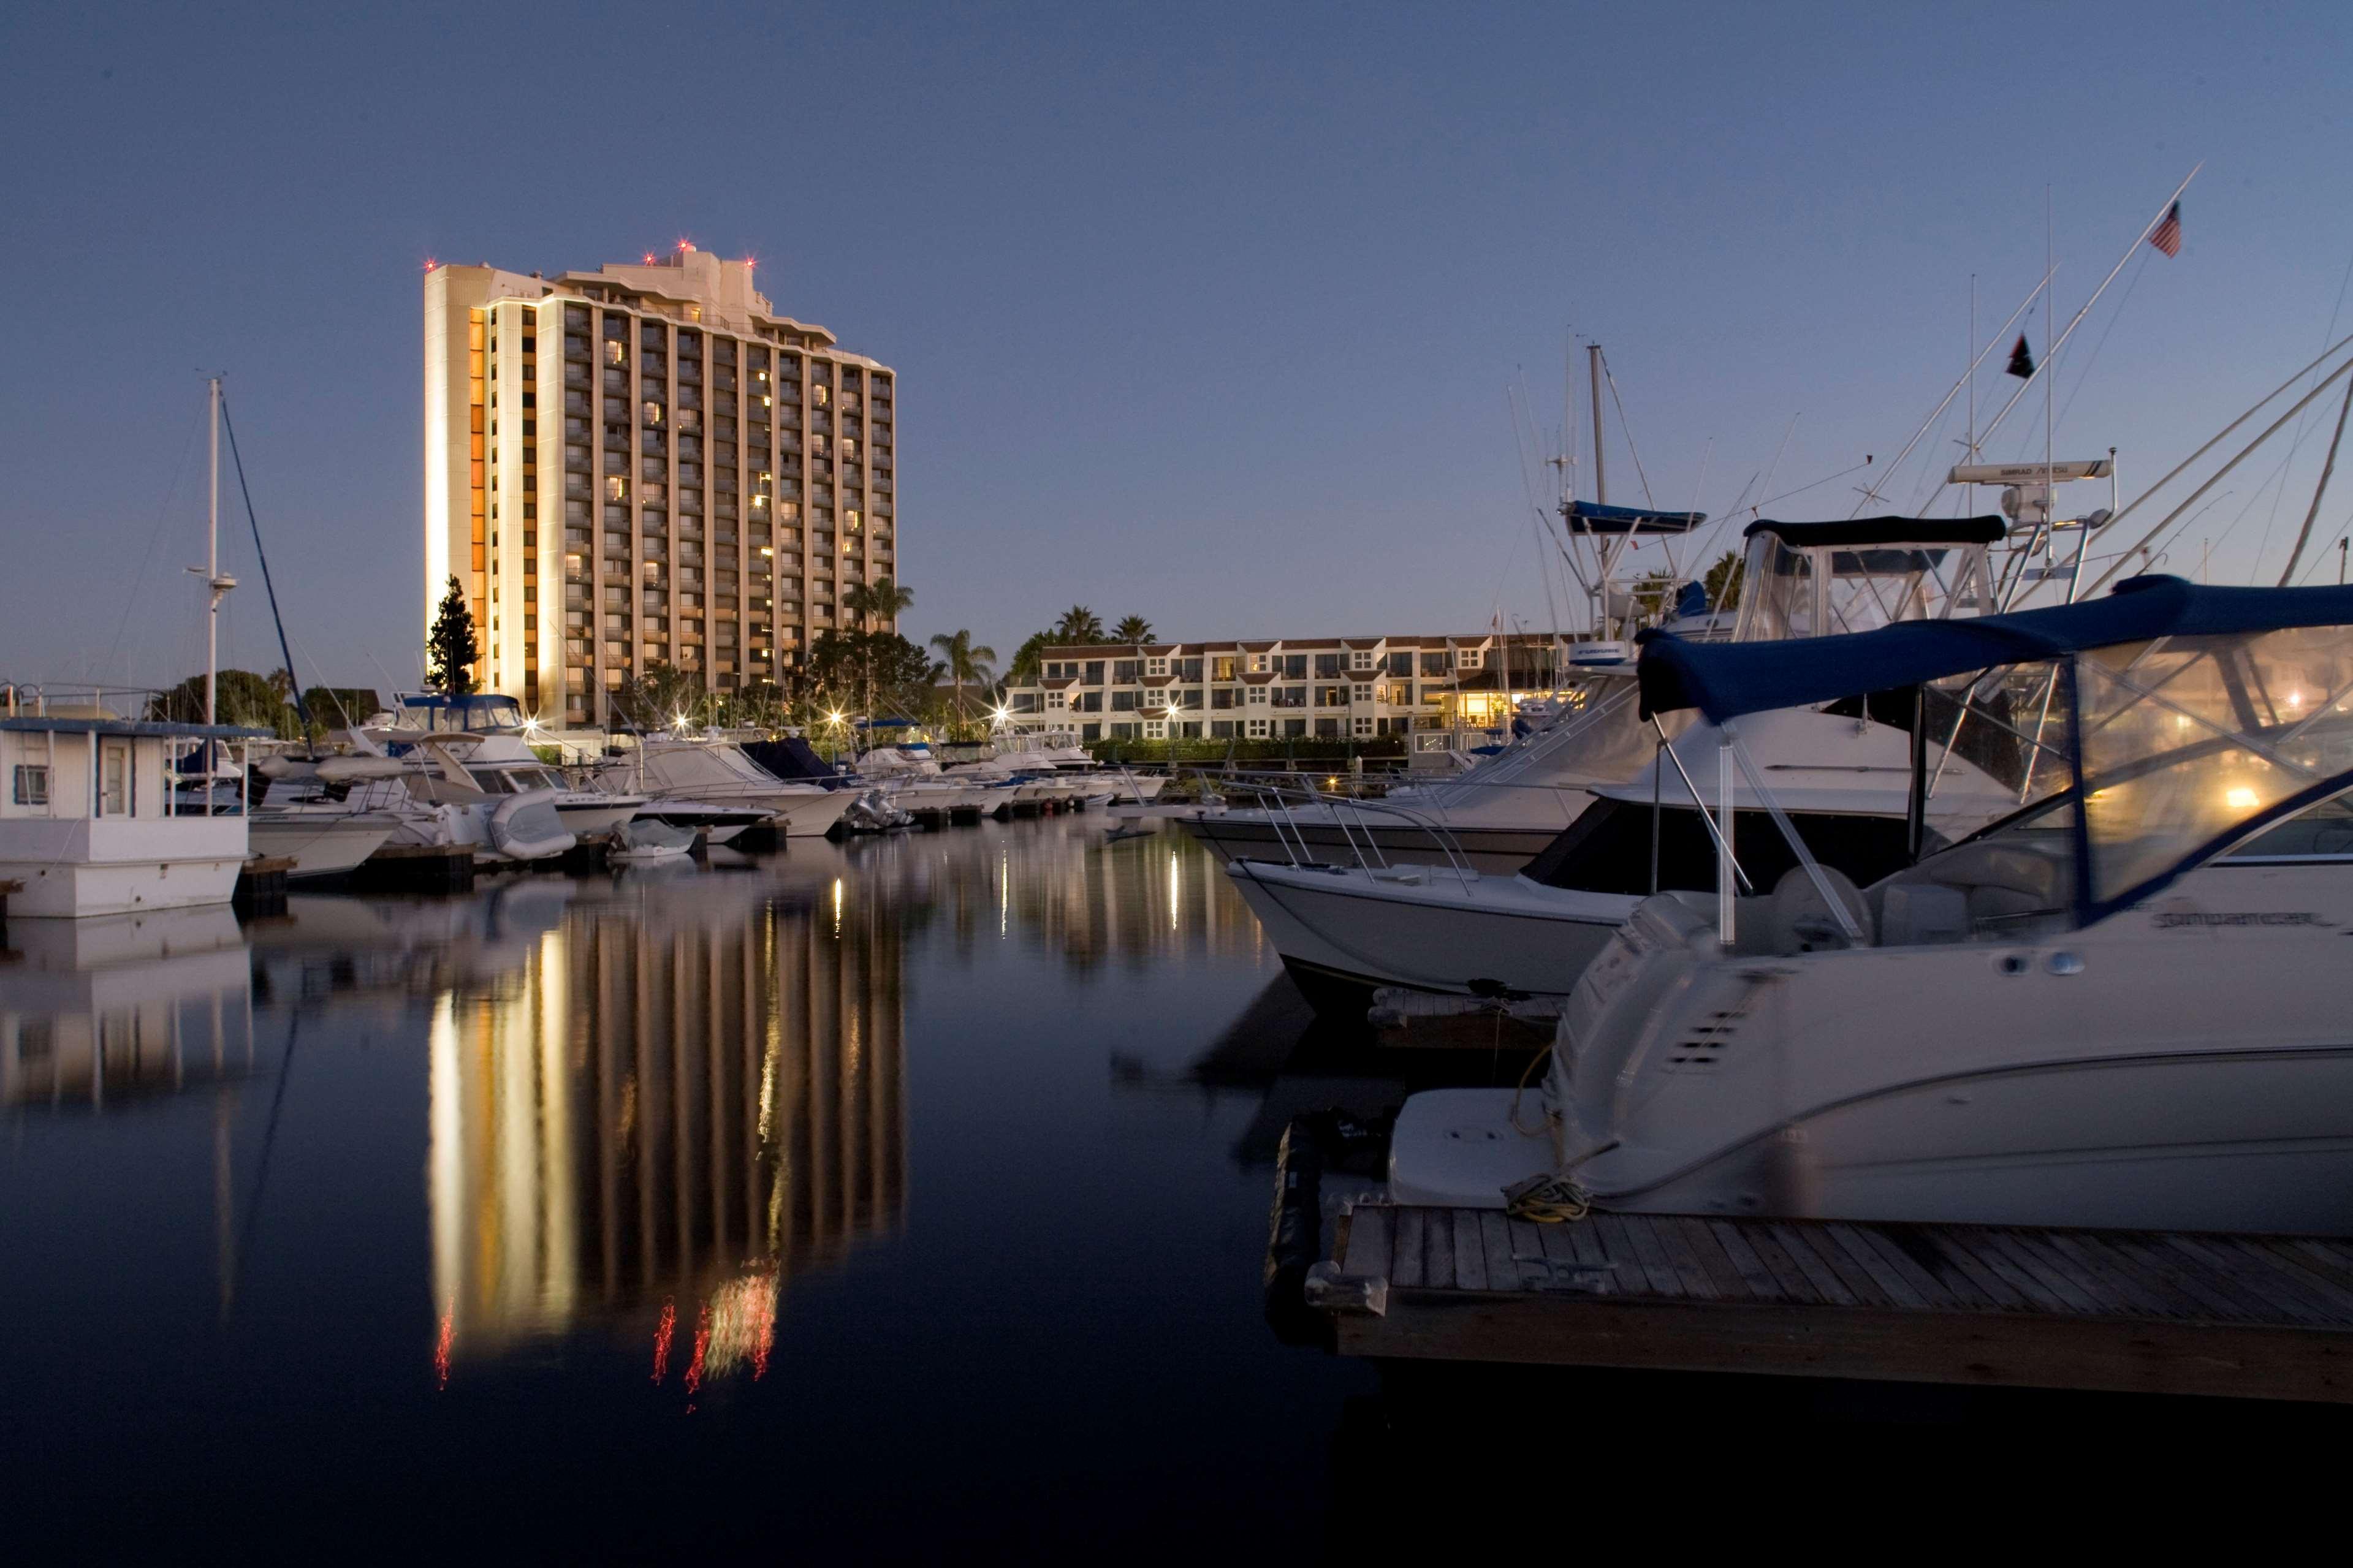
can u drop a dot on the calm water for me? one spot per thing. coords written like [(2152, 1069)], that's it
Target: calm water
[(895, 1193)]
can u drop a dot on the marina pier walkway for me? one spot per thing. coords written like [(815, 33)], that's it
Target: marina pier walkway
[(2257, 1317)]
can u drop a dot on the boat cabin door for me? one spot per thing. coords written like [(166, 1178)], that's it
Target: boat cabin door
[(115, 797)]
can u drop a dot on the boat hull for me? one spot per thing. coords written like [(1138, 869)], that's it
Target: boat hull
[(1354, 932), (79, 869)]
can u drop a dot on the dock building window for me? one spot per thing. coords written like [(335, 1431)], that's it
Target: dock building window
[(32, 784)]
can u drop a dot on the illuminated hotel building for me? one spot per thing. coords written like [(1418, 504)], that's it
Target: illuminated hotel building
[(645, 464)]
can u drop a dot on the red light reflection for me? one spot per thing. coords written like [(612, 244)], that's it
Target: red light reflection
[(441, 1346), (661, 1339)]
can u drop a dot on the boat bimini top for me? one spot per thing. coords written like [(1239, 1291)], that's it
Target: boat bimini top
[(2145, 733), (1814, 579)]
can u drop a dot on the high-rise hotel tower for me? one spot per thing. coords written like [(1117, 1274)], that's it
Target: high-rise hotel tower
[(641, 465)]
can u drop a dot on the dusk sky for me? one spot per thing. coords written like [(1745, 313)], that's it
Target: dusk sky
[(1205, 314)]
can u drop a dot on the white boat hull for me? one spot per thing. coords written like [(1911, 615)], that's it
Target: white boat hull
[(78, 870), (1343, 931), (321, 846)]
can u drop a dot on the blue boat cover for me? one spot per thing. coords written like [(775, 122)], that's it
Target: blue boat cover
[(1590, 516), (790, 758), (1987, 529), (1725, 680)]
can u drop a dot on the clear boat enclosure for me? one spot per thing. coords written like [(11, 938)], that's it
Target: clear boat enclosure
[(2145, 735), (1820, 579)]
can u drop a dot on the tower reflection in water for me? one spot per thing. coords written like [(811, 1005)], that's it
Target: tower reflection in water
[(675, 1102)]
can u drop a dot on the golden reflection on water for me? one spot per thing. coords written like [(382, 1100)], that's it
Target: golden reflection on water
[(652, 1099), (680, 1100)]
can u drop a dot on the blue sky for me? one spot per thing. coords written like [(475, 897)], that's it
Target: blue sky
[(1205, 314)]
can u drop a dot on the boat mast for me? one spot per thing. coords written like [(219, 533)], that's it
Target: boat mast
[(212, 554), (1600, 479)]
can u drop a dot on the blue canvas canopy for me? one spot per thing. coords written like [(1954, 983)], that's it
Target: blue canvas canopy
[(1590, 516), (1723, 680), (1855, 530)]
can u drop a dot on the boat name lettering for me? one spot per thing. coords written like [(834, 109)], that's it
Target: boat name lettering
[(2178, 919)]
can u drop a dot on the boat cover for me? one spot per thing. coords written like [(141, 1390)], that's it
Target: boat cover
[(790, 758), (1725, 680), (1988, 529)]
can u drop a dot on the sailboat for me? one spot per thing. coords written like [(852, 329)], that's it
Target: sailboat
[(88, 824)]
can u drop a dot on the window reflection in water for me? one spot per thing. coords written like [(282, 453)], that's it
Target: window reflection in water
[(669, 1109)]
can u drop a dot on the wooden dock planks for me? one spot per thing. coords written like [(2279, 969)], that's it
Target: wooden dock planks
[(2246, 1316)]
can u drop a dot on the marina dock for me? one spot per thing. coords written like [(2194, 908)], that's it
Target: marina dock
[(2249, 1317)]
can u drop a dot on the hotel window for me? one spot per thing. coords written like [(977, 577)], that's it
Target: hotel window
[(1155, 666), (1468, 658), (1328, 666), (616, 487), (1258, 664), (32, 784), (1364, 726), (1156, 729), (1258, 696), (817, 396), (1360, 658), (616, 351), (1056, 699), (1223, 667), (1364, 694), (1257, 729), (1434, 664)]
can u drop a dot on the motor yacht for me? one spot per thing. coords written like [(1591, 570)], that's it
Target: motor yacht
[(2115, 1006), (1343, 931), (1347, 922), (720, 773)]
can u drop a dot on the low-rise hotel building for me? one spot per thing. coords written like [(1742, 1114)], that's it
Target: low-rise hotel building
[(1285, 689), (646, 464)]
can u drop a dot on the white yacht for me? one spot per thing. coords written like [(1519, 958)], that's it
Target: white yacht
[(87, 824), (1343, 928), (718, 772), (2117, 1006), (1345, 931)]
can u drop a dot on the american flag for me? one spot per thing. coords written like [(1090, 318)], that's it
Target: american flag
[(2167, 236)]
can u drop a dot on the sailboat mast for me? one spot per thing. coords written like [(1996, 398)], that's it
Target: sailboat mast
[(212, 558), (1601, 479)]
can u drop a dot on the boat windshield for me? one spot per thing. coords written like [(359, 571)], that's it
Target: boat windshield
[(2189, 745), (1787, 591)]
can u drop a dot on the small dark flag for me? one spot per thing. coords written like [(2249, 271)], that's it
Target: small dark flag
[(2021, 360), (2167, 236)]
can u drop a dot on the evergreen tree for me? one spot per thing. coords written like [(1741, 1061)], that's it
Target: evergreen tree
[(450, 649)]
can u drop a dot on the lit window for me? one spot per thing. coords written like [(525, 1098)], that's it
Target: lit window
[(653, 413), (616, 351), (616, 487)]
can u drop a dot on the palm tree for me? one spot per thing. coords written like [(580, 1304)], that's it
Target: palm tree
[(879, 601), (1079, 624), (966, 663), (1133, 630)]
